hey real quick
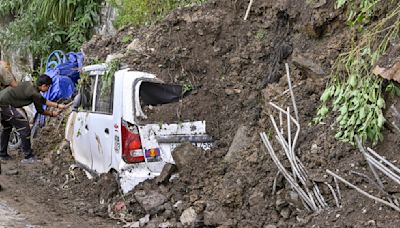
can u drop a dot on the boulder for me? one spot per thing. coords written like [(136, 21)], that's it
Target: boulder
[(185, 155), (240, 142), (151, 201), (189, 217)]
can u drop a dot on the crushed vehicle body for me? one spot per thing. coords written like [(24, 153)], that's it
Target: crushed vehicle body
[(108, 132)]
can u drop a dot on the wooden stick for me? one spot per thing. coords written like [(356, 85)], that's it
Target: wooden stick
[(333, 193), (362, 191), (361, 148), (383, 159), (248, 10), (291, 92), (285, 173), (372, 182)]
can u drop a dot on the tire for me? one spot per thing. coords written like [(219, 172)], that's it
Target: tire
[(15, 140)]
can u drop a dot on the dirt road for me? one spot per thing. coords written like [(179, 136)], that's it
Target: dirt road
[(28, 199)]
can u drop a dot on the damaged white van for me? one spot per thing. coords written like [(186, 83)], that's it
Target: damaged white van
[(106, 130)]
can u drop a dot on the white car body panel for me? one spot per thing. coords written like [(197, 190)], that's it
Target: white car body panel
[(96, 141)]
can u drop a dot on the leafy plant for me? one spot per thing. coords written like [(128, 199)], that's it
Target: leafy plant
[(359, 11), (261, 34), (126, 39), (41, 26), (353, 92), (112, 67), (187, 87), (393, 89)]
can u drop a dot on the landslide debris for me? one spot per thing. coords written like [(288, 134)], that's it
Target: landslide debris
[(234, 68)]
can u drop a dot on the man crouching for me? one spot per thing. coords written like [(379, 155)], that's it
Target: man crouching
[(12, 99)]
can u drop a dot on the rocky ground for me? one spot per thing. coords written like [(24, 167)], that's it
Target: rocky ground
[(235, 67)]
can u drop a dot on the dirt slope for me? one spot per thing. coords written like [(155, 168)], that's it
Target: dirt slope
[(235, 68)]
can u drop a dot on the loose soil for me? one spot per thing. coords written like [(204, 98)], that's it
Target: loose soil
[(234, 68)]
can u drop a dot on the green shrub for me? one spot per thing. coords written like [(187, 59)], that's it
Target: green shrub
[(41, 26), (354, 92), (137, 12)]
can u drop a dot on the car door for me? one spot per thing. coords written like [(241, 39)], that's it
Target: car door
[(79, 122), (101, 133)]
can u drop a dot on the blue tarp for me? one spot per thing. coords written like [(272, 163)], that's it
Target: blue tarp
[(64, 72)]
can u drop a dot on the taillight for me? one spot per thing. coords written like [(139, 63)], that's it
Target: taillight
[(131, 145)]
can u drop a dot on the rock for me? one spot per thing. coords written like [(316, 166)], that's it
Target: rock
[(215, 217), (178, 206), (151, 201), (166, 173), (185, 155), (132, 225), (285, 213), (370, 223), (188, 217), (119, 206), (317, 4), (12, 172), (240, 142), (230, 91), (294, 199), (135, 45), (166, 225), (199, 206), (307, 65), (317, 175), (112, 57), (270, 226), (280, 201), (143, 221), (256, 198)]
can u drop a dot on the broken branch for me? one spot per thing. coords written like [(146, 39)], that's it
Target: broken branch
[(362, 191)]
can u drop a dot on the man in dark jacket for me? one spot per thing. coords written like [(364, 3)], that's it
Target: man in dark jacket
[(11, 102)]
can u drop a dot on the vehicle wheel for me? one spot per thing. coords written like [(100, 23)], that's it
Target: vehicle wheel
[(15, 140)]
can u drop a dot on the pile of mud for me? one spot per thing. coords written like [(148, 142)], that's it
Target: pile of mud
[(235, 67)]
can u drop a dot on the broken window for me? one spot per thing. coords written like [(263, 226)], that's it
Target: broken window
[(157, 93), (86, 94), (104, 97)]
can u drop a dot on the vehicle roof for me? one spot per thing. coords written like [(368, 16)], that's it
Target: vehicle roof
[(100, 69)]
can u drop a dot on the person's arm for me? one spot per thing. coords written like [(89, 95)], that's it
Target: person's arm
[(55, 105), (39, 101)]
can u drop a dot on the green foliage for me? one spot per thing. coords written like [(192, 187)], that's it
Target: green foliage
[(107, 78), (136, 12), (354, 93), (360, 11), (261, 34), (393, 89), (10, 7), (126, 39), (187, 87), (41, 26)]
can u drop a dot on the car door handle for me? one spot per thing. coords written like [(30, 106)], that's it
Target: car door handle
[(107, 131)]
